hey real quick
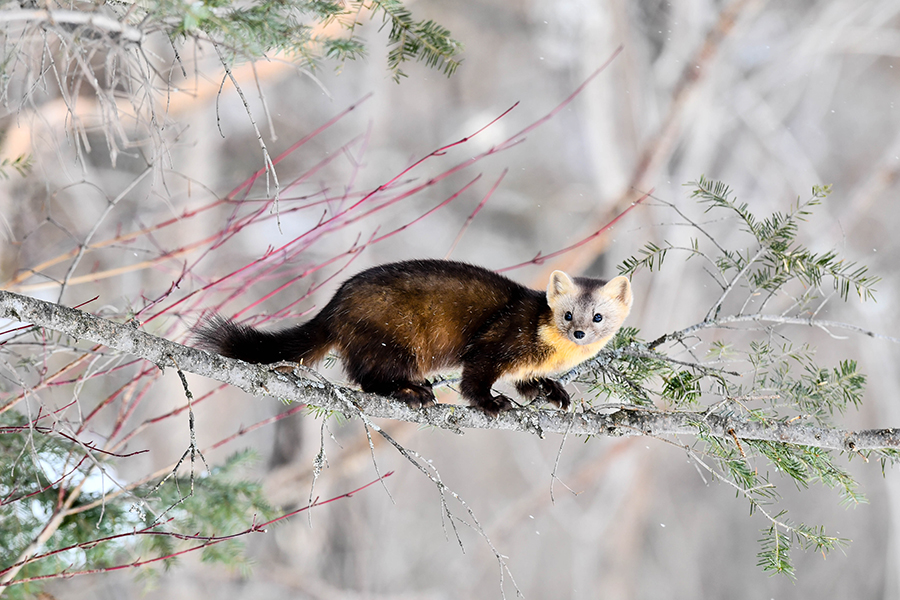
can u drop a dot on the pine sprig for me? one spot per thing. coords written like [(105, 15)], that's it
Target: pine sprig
[(803, 465), (778, 259), (624, 376), (734, 465), (20, 164), (775, 551), (650, 256), (32, 485), (794, 385), (778, 540), (410, 40), (682, 387)]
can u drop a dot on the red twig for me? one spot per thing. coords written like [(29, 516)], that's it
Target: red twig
[(540, 258), (244, 430), (51, 485), (248, 183), (353, 253), (426, 213), (472, 215), (49, 430)]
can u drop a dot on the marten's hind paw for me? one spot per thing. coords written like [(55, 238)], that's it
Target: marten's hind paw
[(494, 405), (415, 395)]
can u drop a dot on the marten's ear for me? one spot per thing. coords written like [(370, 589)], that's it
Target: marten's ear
[(619, 289), (560, 285)]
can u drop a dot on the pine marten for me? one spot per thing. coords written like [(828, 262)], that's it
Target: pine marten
[(398, 323)]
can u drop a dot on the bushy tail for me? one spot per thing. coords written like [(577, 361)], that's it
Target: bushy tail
[(306, 343)]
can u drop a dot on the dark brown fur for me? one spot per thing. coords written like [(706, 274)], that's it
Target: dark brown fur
[(397, 323)]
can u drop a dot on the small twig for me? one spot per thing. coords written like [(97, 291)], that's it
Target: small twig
[(541, 258), (553, 476), (714, 309), (319, 462), (83, 246), (783, 320), (442, 489), (366, 425), (267, 160), (192, 450)]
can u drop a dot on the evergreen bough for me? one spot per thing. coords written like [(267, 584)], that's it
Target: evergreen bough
[(759, 374)]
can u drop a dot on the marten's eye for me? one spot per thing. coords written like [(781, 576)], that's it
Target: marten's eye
[(568, 316), (598, 317)]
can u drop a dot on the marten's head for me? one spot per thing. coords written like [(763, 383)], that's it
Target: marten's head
[(585, 310)]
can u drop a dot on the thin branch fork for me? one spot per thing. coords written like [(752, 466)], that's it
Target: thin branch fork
[(822, 324), (260, 380)]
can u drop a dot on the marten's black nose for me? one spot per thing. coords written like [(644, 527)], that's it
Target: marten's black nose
[(579, 334)]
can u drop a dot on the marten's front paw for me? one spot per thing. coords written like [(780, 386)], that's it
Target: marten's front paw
[(415, 395), (547, 389), (555, 393)]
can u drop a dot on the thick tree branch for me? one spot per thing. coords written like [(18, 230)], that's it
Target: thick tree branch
[(263, 380)]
